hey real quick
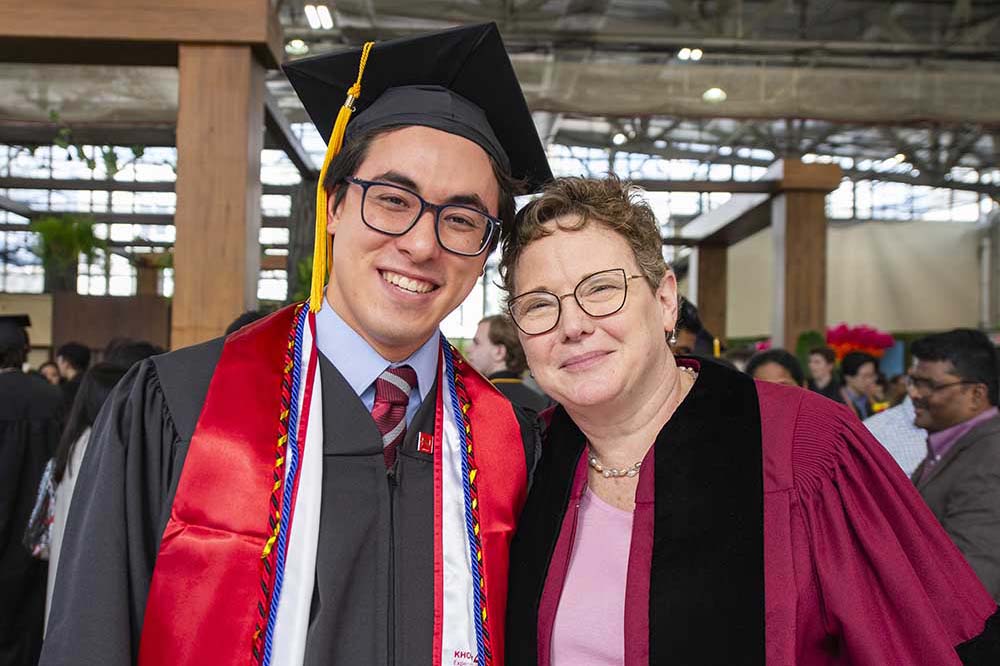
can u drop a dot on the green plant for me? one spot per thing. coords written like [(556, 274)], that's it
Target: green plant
[(61, 241), (304, 273), (808, 340)]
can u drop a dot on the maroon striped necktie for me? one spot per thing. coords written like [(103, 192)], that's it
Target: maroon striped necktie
[(392, 394)]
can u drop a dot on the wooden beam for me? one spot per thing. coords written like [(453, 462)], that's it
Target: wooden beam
[(722, 224), (159, 135), (281, 133), (216, 257), (734, 186), (16, 207), (112, 134), (140, 31), (16, 183), (156, 219), (713, 270), (798, 221)]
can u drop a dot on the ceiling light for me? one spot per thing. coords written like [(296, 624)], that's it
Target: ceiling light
[(325, 19), (313, 17), (618, 139), (296, 47), (684, 53), (714, 95), (696, 54)]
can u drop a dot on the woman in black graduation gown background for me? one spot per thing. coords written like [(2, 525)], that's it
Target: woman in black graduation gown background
[(756, 523)]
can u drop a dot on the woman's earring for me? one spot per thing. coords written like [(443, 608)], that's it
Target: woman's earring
[(672, 340)]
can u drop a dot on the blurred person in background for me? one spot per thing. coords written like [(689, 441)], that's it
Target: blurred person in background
[(778, 366), (740, 357), (822, 378), (896, 389), (690, 335), (73, 359), (127, 353), (860, 372), (50, 372), (248, 317), (954, 388), (682, 513), (95, 387), (30, 413), (496, 353), (895, 430)]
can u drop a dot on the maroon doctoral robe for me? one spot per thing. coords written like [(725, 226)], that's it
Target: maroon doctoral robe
[(770, 528)]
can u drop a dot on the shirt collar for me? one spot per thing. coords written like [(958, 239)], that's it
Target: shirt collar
[(941, 442), (361, 365)]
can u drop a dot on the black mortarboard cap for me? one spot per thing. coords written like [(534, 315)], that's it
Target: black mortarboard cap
[(12, 333), (460, 81)]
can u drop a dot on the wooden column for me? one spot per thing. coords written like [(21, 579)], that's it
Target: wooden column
[(712, 273), (147, 280), (798, 222), (219, 138)]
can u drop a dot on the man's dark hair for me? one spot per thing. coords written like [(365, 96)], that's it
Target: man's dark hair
[(783, 358), (95, 387), (687, 316), (128, 353), (854, 361), (970, 352), (502, 332), (76, 355), (828, 354), (349, 159), (248, 317)]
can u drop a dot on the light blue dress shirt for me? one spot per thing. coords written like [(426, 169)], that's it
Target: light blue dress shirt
[(361, 365), (894, 429)]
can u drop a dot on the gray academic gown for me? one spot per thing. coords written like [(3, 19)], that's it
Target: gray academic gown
[(373, 598)]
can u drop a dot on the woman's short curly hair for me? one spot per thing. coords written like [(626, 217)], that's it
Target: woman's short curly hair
[(608, 202)]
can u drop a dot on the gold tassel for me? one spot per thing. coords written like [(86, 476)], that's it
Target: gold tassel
[(322, 251)]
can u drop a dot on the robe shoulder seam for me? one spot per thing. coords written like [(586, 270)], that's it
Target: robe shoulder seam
[(819, 442)]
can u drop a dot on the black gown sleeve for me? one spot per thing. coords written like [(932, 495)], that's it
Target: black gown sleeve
[(120, 505)]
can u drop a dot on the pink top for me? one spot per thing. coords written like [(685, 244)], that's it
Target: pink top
[(589, 626)]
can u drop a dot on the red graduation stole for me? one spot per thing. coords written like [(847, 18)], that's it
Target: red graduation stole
[(211, 586)]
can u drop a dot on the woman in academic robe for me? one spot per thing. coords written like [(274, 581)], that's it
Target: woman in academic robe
[(683, 513)]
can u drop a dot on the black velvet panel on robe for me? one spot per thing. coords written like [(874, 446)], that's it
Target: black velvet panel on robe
[(707, 576)]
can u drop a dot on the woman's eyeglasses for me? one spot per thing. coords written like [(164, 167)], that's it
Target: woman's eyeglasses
[(599, 295)]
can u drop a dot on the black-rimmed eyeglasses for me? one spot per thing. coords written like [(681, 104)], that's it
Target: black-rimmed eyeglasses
[(599, 295), (394, 210), (922, 386)]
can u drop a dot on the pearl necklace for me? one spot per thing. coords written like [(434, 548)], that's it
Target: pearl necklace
[(626, 472)]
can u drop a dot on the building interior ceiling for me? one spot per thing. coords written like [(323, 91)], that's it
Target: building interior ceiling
[(916, 83), (865, 80)]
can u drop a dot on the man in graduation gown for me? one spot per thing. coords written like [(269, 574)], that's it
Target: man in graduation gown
[(29, 433), (332, 484)]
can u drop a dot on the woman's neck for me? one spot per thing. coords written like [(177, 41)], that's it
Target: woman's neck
[(620, 432)]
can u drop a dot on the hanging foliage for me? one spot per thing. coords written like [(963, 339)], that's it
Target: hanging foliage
[(61, 241)]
